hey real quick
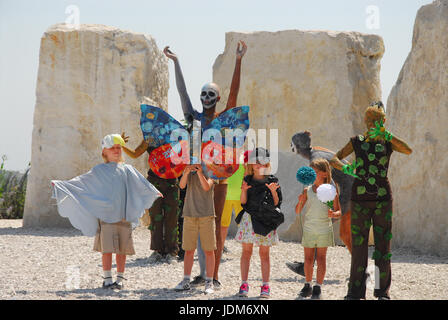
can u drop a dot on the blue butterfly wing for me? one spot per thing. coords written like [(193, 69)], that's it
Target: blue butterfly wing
[(157, 125), (236, 119)]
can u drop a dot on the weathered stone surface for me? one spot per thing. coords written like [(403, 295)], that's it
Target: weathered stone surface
[(319, 81), (90, 83), (417, 112)]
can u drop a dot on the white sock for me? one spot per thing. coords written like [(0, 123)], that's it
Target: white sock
[(120, 277), (317, 284), (265, 284), (187, 277), (208, 279), (107, 277)]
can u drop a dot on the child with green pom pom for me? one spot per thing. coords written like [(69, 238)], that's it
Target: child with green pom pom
[(371, 200)]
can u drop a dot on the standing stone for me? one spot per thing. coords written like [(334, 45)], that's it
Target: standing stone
[(293, 80), (91, 82), (417, 112)]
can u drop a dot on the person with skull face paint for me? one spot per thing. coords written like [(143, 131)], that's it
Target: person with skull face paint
[(210, 96)]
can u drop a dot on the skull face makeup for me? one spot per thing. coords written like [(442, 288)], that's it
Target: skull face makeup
[(209, 95)]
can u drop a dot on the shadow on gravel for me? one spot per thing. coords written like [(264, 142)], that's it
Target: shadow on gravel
[(41, 232)]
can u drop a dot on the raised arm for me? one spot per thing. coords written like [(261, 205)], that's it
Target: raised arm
[(235, 85), (138, 151), (400, 146), (187, 107)]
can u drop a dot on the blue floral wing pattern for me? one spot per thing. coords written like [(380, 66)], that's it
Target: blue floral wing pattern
[(157, 125)]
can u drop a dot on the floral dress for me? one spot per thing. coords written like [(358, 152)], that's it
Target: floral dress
[(256, 194)]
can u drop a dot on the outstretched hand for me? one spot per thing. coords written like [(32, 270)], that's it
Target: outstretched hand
[(350, 169), (125, 138), (169, 53), (240, 52)]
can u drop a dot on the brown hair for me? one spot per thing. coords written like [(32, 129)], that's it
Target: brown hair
[(322, 165)]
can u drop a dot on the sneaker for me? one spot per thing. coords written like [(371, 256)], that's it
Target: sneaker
[(217, 284), (385, 297), (306, 291), (108, 284), (170, 259), (119, 284), (183, 285), (297, 267), (155, 257), (265, 292), (317, 295), (197, 281), (209, 287), (244, 290)]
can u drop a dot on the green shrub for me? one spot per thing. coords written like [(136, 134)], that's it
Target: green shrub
[(12, 192)]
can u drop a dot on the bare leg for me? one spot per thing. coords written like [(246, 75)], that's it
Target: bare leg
[(321, 258), (209, 263), (345, 232), (107, 261), (121, 262), (265, 263), (309, 263), (245, 260), (188, 262)]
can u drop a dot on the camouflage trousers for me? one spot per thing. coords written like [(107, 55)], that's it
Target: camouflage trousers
[(364, 215), (164, 218)]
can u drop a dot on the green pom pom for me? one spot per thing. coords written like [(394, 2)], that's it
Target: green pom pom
[(383, 275), (357, 207), (379, 148), (361, 269), (361, 190), (378, 229), (362, 172), (376, 255), (388, 236), (382, 192), (371, 157), (389, 215), (378, 211), (373, 169), (365, 211), (359, 240), (387, 256), (383, 173), (355, 229), (365, 146), (383, 160), (372, 180), (359, 161), (367, 224)]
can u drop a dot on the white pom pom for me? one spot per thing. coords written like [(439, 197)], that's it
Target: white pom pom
[(326, 192)]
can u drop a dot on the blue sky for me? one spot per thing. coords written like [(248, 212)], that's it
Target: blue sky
[(194, 29)]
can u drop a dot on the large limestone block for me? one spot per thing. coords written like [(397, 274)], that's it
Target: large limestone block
[(319, 81), (417, 111), (296, 80), (90, 83)]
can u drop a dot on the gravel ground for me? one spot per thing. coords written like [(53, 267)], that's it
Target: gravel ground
[(57, 263)]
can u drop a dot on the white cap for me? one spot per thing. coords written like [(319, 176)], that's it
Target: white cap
[(110, 140)]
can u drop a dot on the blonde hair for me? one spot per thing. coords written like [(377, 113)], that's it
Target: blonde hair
[(324, 166), (249, 168)]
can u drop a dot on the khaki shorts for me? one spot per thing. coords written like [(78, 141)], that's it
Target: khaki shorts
[(315, 240), (203, 227), (114, 238)]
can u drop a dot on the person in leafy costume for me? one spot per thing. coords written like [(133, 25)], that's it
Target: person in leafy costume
[(371, 200)]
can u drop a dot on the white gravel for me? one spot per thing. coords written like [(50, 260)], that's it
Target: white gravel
[(56, 263)]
